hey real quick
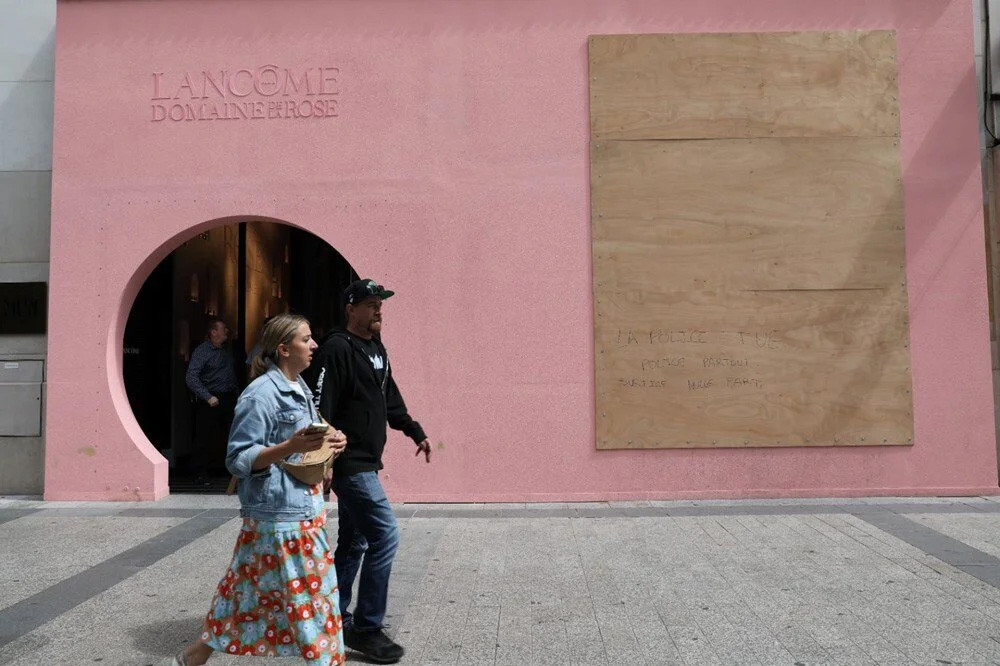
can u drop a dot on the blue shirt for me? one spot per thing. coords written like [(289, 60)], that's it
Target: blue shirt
[(211, 371), (268, 412)]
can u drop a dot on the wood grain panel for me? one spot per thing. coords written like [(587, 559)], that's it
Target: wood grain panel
[(748, 214), (749, 272), (695, 86), (774, 368)]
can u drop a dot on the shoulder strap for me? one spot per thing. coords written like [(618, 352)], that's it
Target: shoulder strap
[(385, 357)]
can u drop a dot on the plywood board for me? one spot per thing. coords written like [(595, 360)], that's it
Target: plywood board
[(748, 214), (748, 291), (696, 86), (679, 369)]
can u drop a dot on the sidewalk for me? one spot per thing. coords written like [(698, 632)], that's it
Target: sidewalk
[(873, 581)]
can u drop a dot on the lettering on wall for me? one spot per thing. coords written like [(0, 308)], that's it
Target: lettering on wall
[(698, 371), (267, 92)]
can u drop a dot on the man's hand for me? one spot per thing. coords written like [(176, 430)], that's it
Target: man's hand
[(213, 402), (336, 440), (425, 447), (328, 480)]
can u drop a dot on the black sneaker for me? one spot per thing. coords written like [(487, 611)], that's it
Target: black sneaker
[(373, 644)]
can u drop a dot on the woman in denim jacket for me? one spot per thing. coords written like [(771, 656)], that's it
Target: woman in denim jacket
[(279, 595)]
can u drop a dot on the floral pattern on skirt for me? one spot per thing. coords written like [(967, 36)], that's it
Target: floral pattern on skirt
[(279, 596)]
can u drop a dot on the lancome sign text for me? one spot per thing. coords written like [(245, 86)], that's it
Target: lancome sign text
[(267, 92)]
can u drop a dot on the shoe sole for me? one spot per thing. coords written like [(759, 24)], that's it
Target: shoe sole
[(373, 658)]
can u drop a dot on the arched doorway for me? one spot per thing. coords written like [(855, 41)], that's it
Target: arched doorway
[(241, 273)]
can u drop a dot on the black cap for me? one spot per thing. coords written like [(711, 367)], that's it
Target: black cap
[(359, 290)]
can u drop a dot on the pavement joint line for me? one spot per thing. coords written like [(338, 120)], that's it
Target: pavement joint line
[(421, 549), (153, 512), (7, 515), (31, 613), (437, 511), (951, 551)]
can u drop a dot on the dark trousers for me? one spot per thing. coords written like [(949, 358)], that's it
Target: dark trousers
[(211, 433), (367, 538)]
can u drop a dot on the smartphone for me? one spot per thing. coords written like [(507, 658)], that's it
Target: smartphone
[(314, 428)]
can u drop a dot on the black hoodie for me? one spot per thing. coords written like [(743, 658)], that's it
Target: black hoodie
[(355, 401)]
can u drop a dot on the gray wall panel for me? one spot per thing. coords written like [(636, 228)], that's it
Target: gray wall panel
[(25, 218), (27, 35), (23, 469), (26, 125)]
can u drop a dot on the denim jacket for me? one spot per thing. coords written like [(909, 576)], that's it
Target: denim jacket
[(268, 412)]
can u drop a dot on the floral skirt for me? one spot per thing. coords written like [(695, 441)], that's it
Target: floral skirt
[(279, 596)]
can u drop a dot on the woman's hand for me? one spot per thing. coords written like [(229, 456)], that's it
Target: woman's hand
[(336, 440), (300, 442), (304, 441)]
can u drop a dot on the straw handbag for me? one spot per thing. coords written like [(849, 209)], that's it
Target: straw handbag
[(311, 466)]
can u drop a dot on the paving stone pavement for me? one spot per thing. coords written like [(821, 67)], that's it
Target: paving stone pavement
[(796, 582)]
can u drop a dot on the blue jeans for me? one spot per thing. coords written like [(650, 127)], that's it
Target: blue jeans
[(367, 538)]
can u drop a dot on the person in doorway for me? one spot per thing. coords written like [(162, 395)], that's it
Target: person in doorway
[(278, 596), (358, 396), (211, 377)]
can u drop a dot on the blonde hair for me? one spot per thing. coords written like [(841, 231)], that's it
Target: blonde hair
[(280, 330)]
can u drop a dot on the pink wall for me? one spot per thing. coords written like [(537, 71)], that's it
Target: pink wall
[(456, 171)]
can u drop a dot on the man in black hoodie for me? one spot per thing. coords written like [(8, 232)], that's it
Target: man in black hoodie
[(358, 396)]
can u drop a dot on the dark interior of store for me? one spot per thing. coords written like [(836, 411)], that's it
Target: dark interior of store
[(241, 273)]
